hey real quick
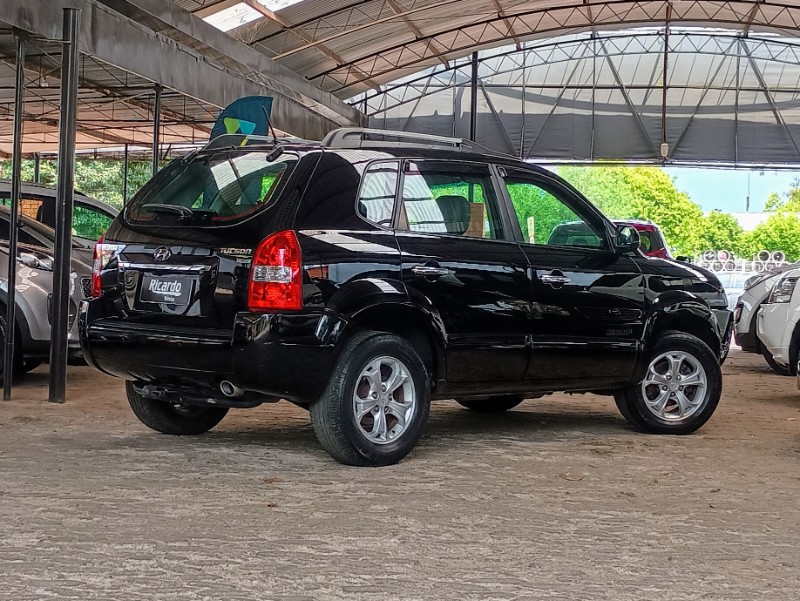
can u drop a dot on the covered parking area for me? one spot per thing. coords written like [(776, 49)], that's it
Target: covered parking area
[(555, 499)]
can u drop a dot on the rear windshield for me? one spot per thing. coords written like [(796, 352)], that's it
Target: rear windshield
[(212, 190)]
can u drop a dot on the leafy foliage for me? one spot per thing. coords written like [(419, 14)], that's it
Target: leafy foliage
[(99, 178), (642, 193), (780, 231)]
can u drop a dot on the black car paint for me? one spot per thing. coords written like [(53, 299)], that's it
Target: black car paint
[(492, 326)]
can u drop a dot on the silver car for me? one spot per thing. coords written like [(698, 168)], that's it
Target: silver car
[(33, 299)]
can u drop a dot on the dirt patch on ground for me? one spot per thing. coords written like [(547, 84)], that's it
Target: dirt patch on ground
[(557, 499)]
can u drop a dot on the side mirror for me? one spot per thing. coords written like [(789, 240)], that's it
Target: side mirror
[(627, 239)]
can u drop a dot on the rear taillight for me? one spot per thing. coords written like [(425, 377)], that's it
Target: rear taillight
[(103, 253), (276, 274)]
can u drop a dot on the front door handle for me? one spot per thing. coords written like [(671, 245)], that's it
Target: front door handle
[(554, 279), (431, 271)]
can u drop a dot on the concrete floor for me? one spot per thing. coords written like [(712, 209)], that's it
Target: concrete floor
[(556, 500)]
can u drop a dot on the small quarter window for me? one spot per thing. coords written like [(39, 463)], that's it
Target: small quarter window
[(378, 191)]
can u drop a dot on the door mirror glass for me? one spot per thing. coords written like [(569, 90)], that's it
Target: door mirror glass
[(627, 238)]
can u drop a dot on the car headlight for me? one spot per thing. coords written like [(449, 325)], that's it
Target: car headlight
[(36, 260), (783, 290)]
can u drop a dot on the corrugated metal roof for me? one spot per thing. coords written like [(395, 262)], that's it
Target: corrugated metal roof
[(349, 46)]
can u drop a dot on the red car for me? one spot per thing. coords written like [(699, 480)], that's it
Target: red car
[(651, 240)]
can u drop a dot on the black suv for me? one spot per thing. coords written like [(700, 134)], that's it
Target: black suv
[(365, 275)]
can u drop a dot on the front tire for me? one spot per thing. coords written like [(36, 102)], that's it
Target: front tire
[(168, 418), (679, 390), (494, 404), (376, 404)]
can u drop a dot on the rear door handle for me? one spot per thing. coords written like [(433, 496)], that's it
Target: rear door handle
[(431, 271), (554, 279)]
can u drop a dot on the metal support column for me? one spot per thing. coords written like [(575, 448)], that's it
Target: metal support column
[(37, 168), (156, 129), (59, 327), (125, 177), (473, 99), (16, 169)]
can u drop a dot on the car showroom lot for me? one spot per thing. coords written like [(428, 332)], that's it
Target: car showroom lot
[(557, 499)]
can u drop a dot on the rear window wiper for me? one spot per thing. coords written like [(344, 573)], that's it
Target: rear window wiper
[(179, 210)]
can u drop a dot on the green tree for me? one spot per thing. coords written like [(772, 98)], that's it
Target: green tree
[(721, 231), (779, 232), (642, 193), (100, 178)]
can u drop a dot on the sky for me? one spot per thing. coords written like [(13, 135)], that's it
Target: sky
[(727, 189)]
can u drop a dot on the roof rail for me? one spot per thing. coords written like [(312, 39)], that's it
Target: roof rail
[(357, 137)]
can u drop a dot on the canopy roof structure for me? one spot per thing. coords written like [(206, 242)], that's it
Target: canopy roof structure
[(349, 46), (128, 48), (707, 95)]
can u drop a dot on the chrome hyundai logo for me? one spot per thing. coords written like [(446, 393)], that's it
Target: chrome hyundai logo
[(162, 254)]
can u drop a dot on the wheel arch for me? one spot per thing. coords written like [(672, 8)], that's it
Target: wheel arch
[(411, 323), (683, 313)]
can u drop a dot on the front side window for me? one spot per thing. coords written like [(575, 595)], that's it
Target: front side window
[(449, 198), (378, 191), (546, 219)]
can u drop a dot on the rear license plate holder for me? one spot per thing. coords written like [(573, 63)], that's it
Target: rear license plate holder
[(167, 289)]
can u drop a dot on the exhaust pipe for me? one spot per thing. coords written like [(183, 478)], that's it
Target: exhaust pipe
[(229, 389)]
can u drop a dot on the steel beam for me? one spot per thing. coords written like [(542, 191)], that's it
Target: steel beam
[(156, 129), (768, 95), (473, 99), (166, 45), (628, 101), (59, 326), (16, 173)]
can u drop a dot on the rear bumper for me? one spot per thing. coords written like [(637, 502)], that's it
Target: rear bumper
[(285, 356)]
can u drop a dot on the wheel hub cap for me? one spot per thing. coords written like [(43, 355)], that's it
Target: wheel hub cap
[(384, 401), (675, 386)]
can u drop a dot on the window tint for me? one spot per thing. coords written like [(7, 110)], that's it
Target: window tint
[(88, 223), (218, 189), (449, 198), (378, 190), (545, 219), (645, 242)]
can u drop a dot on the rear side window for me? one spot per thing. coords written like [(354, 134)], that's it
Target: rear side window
[(88, 223), (378, 191), (210, 190), (449, 198)]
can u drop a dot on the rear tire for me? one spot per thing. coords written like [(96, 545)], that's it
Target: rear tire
[(679, 390), (494, 404), (168, 418), (781, 370), (375, 407)]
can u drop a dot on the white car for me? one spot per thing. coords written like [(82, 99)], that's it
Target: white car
[(756, 292), (778, 318)]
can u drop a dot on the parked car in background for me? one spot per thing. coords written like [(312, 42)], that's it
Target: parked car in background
[(651, 239), (38, 234), (91, 217), (361, 276), (733, 282), (757, 289), (33, 300), (777, 321)]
